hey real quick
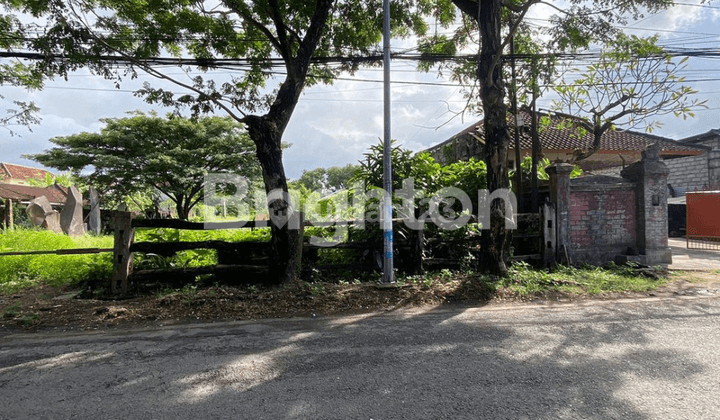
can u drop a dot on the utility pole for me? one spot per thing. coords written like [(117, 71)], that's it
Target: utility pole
[(535, 139), (387, 212), (518, 155)]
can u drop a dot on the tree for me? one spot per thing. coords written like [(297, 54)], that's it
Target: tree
[(172, 155), (334, 178), (65, 179), (314, 179), (298, 36), (16, 73), (498, 21), (338, 177), (630, 83)]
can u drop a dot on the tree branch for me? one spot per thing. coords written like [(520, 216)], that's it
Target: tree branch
[(247, 16), (285, 47), (150, 70), (468, 7), (612, 105), (514, 27)]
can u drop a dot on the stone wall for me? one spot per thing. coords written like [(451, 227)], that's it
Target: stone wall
[(688, 173), (459, 148), (714, 169)]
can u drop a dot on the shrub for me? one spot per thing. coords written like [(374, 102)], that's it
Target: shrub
[(17, 272)]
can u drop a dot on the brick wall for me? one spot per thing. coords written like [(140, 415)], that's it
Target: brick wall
[(608, 216), (689, 173), (602, 221)]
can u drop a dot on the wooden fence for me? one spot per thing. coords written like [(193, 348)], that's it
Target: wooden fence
[(233, 257), (244, 257)]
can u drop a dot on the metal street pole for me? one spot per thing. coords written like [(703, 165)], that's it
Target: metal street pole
[(518, 155), (386, 220), (535, 140)]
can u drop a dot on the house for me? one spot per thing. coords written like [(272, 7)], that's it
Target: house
[(15, 188), (15, 185), (558, 141), (20, 193), (700, 172), (710, 139), (11, 173)]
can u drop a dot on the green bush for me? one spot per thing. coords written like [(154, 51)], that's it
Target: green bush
[(17, 272), (191, 258)]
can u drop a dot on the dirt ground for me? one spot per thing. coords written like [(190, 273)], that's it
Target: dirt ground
[(46, 308)]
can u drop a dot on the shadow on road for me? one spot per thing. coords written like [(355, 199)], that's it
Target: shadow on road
[(600, 362)]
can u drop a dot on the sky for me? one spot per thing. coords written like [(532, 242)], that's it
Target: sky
[(336, 124)]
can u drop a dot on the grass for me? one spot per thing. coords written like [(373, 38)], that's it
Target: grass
[(18, 272), (593, 280), (11, 311), (525, 280), (228, 235), (191, 258)]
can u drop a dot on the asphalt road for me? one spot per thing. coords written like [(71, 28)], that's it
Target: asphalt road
[(646, 359)]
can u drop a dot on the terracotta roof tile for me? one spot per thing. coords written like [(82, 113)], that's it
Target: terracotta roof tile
[(555, 137), (18, 192), (20, 173)]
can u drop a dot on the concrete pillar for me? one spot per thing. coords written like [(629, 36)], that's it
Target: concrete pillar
[(559, 174), (650, 176), (714, 169), (94, 222)]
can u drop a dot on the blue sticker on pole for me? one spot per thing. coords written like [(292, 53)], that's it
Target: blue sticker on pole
[(389, 235)]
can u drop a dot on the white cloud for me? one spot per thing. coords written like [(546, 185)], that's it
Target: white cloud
[(332, 125), (38, 140), (682, 16)]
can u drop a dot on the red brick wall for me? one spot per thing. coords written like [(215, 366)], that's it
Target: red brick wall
[(602, 218)]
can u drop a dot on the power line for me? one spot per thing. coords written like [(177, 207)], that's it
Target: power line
[(704, 6)]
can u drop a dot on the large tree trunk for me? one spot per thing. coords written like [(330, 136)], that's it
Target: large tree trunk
[(267, 131), (286, 241), (497, 136), (181, 206)]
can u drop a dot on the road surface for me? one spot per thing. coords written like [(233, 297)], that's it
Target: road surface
[(633, 359)]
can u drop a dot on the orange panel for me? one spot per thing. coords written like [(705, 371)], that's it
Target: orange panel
[(703, 214)]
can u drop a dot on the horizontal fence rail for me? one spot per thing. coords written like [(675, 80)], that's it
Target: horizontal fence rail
[(240, 224), (76, 251)]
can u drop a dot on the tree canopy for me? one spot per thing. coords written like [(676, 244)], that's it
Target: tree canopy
[(172, 155), (632, 82), (493, 24), (16, 73), (296, 41), (334, 178)]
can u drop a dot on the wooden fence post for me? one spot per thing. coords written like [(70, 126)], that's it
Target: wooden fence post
[(417, 244), (122, 257), (8, 214), (300, 220)]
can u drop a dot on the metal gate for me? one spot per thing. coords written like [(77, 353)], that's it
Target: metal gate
[(703, 220)]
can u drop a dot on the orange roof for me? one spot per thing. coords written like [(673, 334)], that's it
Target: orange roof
[(20, 173), (18, 192)]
